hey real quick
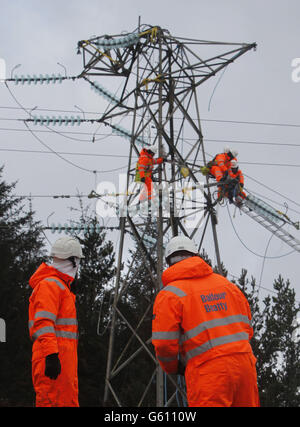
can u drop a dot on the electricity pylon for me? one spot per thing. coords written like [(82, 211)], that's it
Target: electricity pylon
[(158, 104)]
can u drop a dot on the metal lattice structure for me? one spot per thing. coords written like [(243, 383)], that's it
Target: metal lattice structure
[(158, 76)]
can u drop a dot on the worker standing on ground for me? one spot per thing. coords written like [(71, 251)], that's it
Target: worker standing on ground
[(53, 326), (201, 328), (144, 168)]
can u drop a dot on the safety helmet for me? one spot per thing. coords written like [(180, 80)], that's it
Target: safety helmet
[(229, 150), (66, 247), (180, 243), (234, 164), (152, 148)]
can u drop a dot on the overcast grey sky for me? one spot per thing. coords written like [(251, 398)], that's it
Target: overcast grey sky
[(258, 88)]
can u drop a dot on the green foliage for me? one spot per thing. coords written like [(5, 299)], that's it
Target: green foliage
[(93, 303), (21, 251), (274, 343)]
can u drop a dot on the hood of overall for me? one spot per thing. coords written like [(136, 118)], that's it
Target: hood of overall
[(190, 268), (44, 271)]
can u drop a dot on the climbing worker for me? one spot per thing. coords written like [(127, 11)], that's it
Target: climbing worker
[(53, 326), (218, 167), (144, 168), (222, 163), (201, 328), (235, 182)]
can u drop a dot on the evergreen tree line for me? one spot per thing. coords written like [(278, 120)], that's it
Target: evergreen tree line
[(22, 249)]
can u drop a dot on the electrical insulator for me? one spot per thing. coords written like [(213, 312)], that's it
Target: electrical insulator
[(72, 229), (149, 239), (120, 131), (57, 120), (118, 43), (41, 79), (104, 92), (262, 208)]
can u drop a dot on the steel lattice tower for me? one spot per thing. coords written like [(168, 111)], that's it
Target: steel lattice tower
[(158, 76)]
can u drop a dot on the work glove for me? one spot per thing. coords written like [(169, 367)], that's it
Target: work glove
[(52, 366), (143, 179)]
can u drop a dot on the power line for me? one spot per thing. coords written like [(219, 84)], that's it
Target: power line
[(123, 156), (247, 122), (273, 201), (261, 287), (264, 185), (250, 250), (253, 123), (47, 146), (94, 171), (223, 141), (15, 150), (274, 191)]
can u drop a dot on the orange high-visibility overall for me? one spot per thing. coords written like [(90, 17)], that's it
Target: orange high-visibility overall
[(205, 320), (53, 329), (240, 177), (220, 166), (145, 167)]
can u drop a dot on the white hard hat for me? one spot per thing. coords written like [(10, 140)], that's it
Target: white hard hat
[(229, 150), (152, 148), (180, 243), (234, 164), (65, 247)]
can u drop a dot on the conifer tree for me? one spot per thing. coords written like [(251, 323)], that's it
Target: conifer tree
[(93, 291), (21, 251)]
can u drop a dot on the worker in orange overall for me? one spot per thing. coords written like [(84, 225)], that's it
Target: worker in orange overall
[(53, 326), (235, 185), (221, 163), (202, 329), (144, 168)]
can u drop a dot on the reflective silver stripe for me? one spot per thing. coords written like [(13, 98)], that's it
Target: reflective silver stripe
[(42, 314), (30, 323), (166, 359), (59, 334), (43, 331), (67, 334), (172, 335), (208, 345), (174, 290), (213, 324), (45, 314), (67, 321), (57, 282)]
